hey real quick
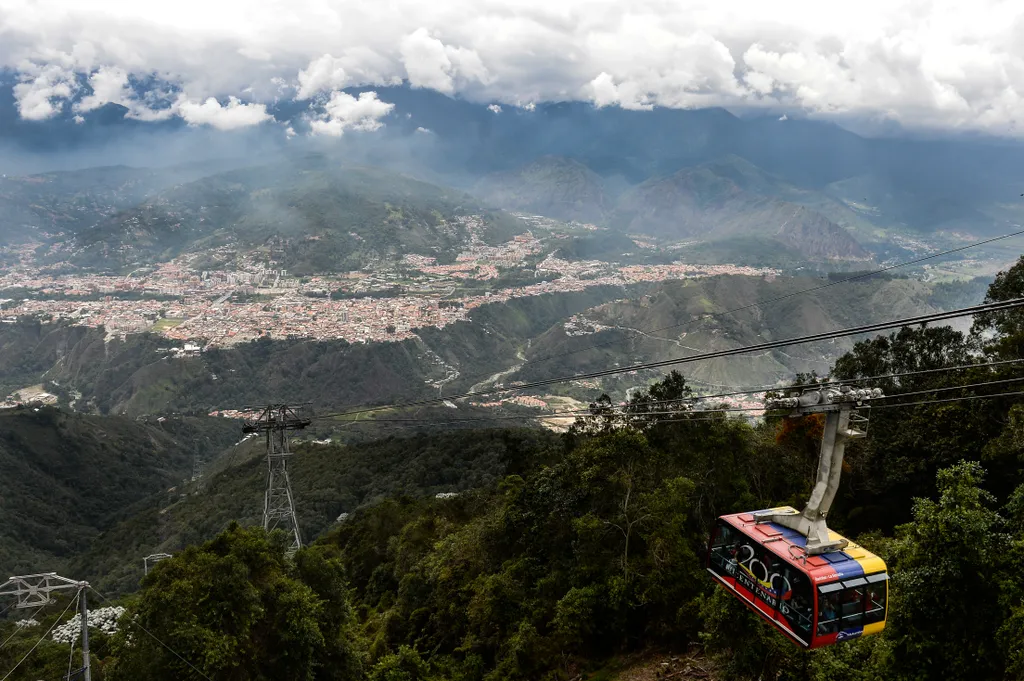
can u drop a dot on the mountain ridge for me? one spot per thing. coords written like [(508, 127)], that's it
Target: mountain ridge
[(701, 202)]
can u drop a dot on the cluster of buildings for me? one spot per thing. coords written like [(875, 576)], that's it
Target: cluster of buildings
[(204, 307)]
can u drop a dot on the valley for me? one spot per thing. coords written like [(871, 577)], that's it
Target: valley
[(459, 487), (173, 295)]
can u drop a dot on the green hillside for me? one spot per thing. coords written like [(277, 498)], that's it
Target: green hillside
[(708, 202), (308, 215), (68, 477), (71, 201), (671, 322), (327, 480), (557, 187)]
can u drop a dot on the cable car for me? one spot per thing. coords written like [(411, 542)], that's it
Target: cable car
[(815, 586), (815, 600)]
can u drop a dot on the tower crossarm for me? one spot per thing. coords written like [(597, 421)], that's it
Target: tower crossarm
[(275, 417), (34, 590)]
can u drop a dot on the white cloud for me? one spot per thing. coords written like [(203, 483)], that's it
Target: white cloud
[(236, 114), (426, 62), (109, 85), (345, 112), (941, 63), (494, 108), (424, 131), (357, 66), (43, 90), (429, 63)]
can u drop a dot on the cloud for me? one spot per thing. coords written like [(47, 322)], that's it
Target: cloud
[(345, 112), (231, 117), (43, 90), (429, 63), (357, 66), (109, 85), (494, 108), (938, 64)]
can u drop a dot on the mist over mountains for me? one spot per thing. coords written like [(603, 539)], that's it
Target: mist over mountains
[(953, 183)]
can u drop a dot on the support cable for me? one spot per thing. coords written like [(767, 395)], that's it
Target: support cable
[(71, 656), (829, 335), (696, 398), (954, 387), (791, 295), (691, 415), (16, 629), (152, 636), (943, 401), (52, 627), (752, 391)]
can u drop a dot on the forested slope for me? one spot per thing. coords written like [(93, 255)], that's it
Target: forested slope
[(680, 318), (327, 480), (68, 477)]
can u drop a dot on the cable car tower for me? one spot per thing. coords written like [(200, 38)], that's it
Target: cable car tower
[(37, 590), (275, 420), (842, 423)]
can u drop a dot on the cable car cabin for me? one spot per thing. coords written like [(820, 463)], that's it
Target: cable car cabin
[(814, 600)]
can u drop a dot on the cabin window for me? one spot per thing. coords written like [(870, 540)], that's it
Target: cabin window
[(829, 608), (725, 546), (851, 604), (877, 594), (796, 606)]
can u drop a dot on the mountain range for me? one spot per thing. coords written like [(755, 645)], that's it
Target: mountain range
[(922, 182), (315, 214)]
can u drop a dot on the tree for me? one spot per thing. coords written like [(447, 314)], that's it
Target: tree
[(234, 609), (906, 350), (1003, 332), (405, 665), (907, 446), (945, 609), (1011, 631)]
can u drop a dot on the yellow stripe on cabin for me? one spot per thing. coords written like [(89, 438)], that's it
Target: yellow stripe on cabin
[(873, 628)]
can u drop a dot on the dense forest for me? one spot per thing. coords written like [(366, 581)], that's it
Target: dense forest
[(68, 477), (589, 547)]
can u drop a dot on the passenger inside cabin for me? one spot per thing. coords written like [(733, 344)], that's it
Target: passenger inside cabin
[(828, 609)]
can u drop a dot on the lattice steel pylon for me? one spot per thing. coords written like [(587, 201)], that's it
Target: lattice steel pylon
[(198, 468), (278, 502), (36, 590)]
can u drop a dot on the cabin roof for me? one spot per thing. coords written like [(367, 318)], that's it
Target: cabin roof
[(852, 561)]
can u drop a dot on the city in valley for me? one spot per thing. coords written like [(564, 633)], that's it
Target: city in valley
[(209, 308)]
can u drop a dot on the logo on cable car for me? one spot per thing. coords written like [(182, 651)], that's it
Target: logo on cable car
[(754, 575)]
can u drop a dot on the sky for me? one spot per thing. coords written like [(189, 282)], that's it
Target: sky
[(926, 65)]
